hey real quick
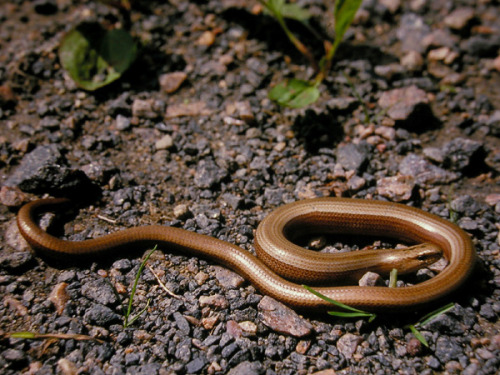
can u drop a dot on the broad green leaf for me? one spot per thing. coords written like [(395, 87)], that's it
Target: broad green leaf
[(307, 96), (275, 6), (294, 93), (344, 13), (95, 57)]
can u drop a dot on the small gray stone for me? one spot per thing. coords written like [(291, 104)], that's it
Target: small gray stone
[(423, 171), (353, 156), (412, 29), (447, 349), (460, 152), (227, 278), (122, 122), (101, 315), (406, 104), (348, 344), (247, 368), (196, 365), (208, 174), (100, 291)]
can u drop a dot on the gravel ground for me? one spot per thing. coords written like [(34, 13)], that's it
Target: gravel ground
[(188, 138)]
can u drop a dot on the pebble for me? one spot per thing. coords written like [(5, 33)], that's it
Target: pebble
[(423, 172), (371, 279), (187, 109), (227, 278), (412, 61), (396, 188), (403, 103), (347, 344), (412, 29), (460, 153), (164, 143), (459, 18), (282, 319), (353, 156), (147, 108), (247, 368), (170, 82), (100, 315), (100, 291), (123, 123)]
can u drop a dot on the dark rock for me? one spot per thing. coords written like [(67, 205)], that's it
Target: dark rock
[(447, 349), (101, 315), (196, 365), (15, 261), (43, 170), (15, 357), (481, 45), (233, 200), (183, 350), (353, 156), (229, 350), (208, 174), (100, 291), (487, 311), (247, 368), (461, 153), (465, 205), (182, 323)]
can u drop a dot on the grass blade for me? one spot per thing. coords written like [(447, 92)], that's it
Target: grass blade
[(355, 312), (126, 322), (427, 318), (418, 335)]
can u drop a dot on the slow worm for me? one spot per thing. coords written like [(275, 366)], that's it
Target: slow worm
[(278, 255)]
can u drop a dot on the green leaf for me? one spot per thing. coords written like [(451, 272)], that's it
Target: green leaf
[(294, 93), (418, 335), (94, 57), (344, 13), (275, 6)]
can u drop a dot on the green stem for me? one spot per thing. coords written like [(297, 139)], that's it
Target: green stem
[(295, 41)]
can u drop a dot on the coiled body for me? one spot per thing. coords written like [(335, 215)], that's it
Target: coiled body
[(272, 243)]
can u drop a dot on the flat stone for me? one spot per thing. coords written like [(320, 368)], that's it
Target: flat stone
[(459, 18), (171, 82), (401, 103), (282, 319), (396, 188), (187, 109)]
